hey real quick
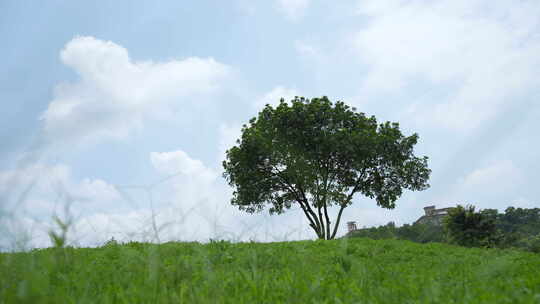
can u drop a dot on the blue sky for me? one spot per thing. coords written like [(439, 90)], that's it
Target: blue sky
[(122, 110)]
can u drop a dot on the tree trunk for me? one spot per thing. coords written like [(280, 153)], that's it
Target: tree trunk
[(338, 220)]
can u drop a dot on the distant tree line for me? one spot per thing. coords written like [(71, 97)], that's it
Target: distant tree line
[(465, 226)]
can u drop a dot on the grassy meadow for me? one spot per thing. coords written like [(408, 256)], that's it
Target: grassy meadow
[(340, 271)]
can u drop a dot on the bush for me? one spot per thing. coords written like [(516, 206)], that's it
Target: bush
[(466, 227), (421, 233), (531, 243)]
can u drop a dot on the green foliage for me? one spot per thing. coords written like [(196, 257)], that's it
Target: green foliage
[(531, 243), (515, 228), (420, 233), (59, 238), (521, 221), (339, 271), (387, 231), (316, 154), (466, 227)]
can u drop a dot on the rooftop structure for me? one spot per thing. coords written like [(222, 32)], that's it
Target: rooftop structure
[(433, 215), (351, 226)]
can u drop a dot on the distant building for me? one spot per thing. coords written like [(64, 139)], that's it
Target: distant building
[(433, 216), (351, 226)]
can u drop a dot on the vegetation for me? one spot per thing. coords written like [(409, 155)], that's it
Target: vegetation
[(466, 227), (339, 271), (420, 233), (316, 154), (515, 228), (518, 227)]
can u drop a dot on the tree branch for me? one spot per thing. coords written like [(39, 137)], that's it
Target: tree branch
[(319, 226), (356, 186), (347, 200), (311, 222), (314, 222)]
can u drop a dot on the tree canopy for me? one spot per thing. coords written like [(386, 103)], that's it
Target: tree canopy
[(466, 227), (315, 154)]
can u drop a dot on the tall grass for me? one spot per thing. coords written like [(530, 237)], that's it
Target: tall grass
[(339, 271)]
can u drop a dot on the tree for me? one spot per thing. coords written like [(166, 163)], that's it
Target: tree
[(518, 226), (520, 220), (466, 227), (316, 154), (420, 233)]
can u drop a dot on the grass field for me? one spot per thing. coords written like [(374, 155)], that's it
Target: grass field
[(340, 271)]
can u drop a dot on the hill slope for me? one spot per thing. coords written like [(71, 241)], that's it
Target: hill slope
[(346, 271)]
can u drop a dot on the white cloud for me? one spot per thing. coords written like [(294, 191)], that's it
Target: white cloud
[(273, 97), (44, 188), (116, 94), (88, 189), (32, 188), (489, 52), (293, 9), (22, 233), (493, 185), (228, 134), (487, 177), (178, 162), (200, 204), (183, 207), (11, 180), (193, 204), (193, 185), (32, 195)]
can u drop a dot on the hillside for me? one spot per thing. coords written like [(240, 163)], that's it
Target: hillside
[(517, 228), (340, 271)]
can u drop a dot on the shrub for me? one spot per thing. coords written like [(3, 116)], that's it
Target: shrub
[(466, 227)]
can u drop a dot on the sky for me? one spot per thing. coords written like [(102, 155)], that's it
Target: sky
[(116, 115)]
